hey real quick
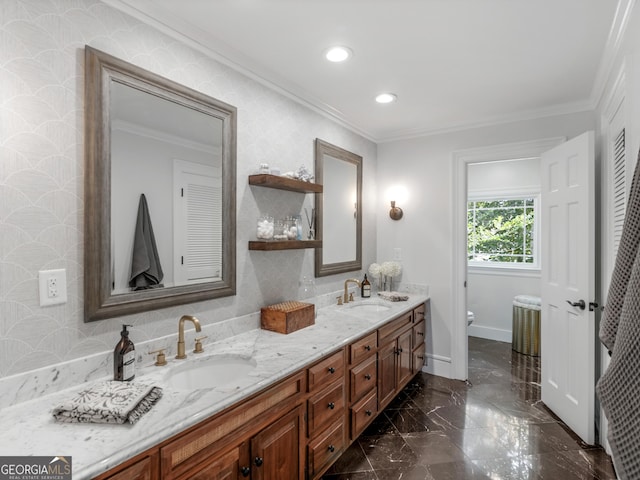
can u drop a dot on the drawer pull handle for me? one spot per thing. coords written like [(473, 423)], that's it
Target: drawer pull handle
[(368, 413), (245, 471), (332, 370), (420, 333), (258, 461), (332, 448), (367, 348), (420, 357), (367, 377), (331, 405)]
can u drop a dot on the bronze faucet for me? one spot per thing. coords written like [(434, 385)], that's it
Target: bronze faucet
[(346, 288), (181, 353)]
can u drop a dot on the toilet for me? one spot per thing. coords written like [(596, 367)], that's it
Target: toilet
[(470, 318)]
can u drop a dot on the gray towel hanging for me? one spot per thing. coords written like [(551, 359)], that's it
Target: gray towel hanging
[(619, 386), (146, 271)]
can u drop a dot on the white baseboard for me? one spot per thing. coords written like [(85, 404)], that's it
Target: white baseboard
[(438, 365), (489, 333)]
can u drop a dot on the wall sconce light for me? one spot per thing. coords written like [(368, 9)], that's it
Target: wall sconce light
[(396, 212)]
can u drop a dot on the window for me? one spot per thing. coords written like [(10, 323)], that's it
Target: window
[(502, 232)]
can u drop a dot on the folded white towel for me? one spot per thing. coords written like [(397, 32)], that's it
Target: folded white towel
[(394, 296), (109, 402)]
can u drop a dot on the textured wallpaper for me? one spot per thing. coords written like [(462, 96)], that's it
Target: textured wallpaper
[(42, 168)]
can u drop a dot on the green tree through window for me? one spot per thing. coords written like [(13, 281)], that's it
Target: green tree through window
[(501, 231)]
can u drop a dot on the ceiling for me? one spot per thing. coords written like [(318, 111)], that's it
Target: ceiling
[(452, 63)]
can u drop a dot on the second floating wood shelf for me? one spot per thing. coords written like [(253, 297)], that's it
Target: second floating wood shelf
[(268, 245)]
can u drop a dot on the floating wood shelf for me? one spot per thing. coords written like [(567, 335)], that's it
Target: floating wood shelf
[(284, 183), (268, 245)]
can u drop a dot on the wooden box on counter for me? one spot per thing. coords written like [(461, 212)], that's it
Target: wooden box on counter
[(287, 317)]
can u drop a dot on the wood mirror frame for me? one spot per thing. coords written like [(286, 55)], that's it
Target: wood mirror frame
[(99, 300), (323, 222)]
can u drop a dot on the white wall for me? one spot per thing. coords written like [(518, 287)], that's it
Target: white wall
[(42, 176), (425, 235)]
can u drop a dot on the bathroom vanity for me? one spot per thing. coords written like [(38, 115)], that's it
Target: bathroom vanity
[(310, 395)]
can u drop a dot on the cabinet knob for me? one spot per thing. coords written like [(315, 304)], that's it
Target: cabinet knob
[(367, 377), (331, 405), (368, 413), (332, 448), (332, 370), (245, 471), (258, 461), (367, 348)]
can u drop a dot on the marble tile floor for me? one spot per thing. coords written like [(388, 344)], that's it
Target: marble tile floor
[(492, 427)]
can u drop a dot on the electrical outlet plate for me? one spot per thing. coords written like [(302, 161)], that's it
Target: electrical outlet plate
[(53, 287)]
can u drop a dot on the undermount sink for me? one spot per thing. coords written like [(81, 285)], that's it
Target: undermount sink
[(209, 372), (369, 307)]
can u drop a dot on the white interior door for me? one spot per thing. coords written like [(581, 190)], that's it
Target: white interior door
[(568, 277)]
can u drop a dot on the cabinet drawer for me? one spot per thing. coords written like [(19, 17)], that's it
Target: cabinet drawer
[(394, 327), (418, 334), (325, 449), (325, 407), (362, 348), (419, 313), (363, 378), (362, 413), (326, 371)]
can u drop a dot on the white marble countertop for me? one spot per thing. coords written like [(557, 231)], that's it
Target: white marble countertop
[(28, 428)]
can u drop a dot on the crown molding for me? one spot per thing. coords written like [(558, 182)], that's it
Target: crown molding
[(148, 13), (557, 110), (612, 49)]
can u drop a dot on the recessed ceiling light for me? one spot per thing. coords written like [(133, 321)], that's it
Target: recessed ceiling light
[(386, 98), (338, 54)]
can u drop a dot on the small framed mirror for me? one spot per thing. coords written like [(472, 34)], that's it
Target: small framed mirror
[(339, 209), (159, 191)]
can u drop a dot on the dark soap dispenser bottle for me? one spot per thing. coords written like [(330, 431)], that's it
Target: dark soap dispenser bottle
[(365, 291), (124, 358)]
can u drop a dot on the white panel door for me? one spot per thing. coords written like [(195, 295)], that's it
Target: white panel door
[(197, 228), (568, 284)]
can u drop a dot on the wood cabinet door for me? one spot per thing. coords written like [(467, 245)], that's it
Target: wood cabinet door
[(386, 373), (275, 451), (225, 468), (404, 355), (145, 469)]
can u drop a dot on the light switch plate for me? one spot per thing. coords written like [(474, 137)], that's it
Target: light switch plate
[(53, 287)]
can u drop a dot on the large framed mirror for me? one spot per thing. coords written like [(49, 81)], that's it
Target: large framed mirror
[(160, 175), (339, 209)]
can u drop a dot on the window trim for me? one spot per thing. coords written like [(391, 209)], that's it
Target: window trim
[(509, 194)]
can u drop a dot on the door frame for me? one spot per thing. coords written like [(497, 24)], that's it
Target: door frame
[(461, 158)]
